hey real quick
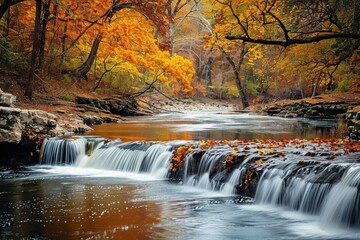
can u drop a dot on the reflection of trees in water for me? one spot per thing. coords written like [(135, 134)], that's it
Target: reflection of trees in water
[(325, 129), (290, 130), (244, 128)]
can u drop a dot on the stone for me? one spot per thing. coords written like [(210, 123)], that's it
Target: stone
[(10, 126), (353, 123), (7, 99), (357, 117), (38, 121), (291, 115)]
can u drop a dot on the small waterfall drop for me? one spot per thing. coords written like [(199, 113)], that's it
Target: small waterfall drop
[(206, 173), (137, 157), (87, 152), (56, 151), (230, 186), (342, 205), (316, 186), (328, 190)]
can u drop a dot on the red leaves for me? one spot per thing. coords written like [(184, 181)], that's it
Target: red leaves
[(265, 150)]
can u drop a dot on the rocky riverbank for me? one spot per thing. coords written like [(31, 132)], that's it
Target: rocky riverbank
[(22, 129), (326, 107)]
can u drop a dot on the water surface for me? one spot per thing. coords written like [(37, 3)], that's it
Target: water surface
[(218, 126), (72, 203), (69, 202)]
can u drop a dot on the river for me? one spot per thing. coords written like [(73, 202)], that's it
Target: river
[(75, 201)]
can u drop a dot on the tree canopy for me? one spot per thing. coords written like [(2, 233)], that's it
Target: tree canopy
[(251, 49)]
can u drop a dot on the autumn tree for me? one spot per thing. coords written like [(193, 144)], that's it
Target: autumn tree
[(117, 34), (292, 24)]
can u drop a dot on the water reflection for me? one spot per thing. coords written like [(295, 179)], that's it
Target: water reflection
[(69, 207), (75, 210), (218, 126)]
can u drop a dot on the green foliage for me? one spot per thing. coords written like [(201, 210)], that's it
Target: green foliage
[(5, 84), (9, 56), (69, 97), (217, 91), (251, 88), (343, 85)]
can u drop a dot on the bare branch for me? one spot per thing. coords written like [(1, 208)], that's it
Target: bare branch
[(289, 41)]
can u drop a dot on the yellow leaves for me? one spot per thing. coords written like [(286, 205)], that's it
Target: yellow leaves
[(248, 177), (207, 143), (178, 158), (260, 161), (266, 151)]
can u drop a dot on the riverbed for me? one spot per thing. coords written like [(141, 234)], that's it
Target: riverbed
[(76, 202)]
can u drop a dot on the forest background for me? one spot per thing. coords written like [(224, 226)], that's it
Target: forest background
[(252, 50)]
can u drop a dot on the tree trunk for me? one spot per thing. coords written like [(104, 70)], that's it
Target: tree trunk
[(206, 72), (6, 5), (63, 41), (315, 85), (42, 35), (35, 50), (236, 70), (7, 21), (86, 66)]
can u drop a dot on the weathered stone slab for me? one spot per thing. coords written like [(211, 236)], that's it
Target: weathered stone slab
[(10, 126), (38, 121), (7, 99)]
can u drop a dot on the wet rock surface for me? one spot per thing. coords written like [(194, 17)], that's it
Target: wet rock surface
[(353, 123), (348, 111), (329, 110), (251, 159)]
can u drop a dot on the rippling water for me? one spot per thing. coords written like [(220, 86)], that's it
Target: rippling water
[(71, 203), (53, 202)]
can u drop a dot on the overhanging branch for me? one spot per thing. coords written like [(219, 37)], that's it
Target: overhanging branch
[(288, 42)]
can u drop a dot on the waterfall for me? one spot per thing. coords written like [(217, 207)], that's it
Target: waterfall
[(88, 152), (208, 173), (230, 186), (317, 186), (342, 205), (328, 190), (134, 157), (56, 151)]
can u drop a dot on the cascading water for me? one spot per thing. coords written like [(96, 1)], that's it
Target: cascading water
[(314, 185), (230, 186), (342, 205), (328, 190), (61, 151), (136, 157), (56, 151), (207, 173)]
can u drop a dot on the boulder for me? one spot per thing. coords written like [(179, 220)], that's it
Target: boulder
[(10, 126), (6, 99), (353, 123), (39, 122)]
